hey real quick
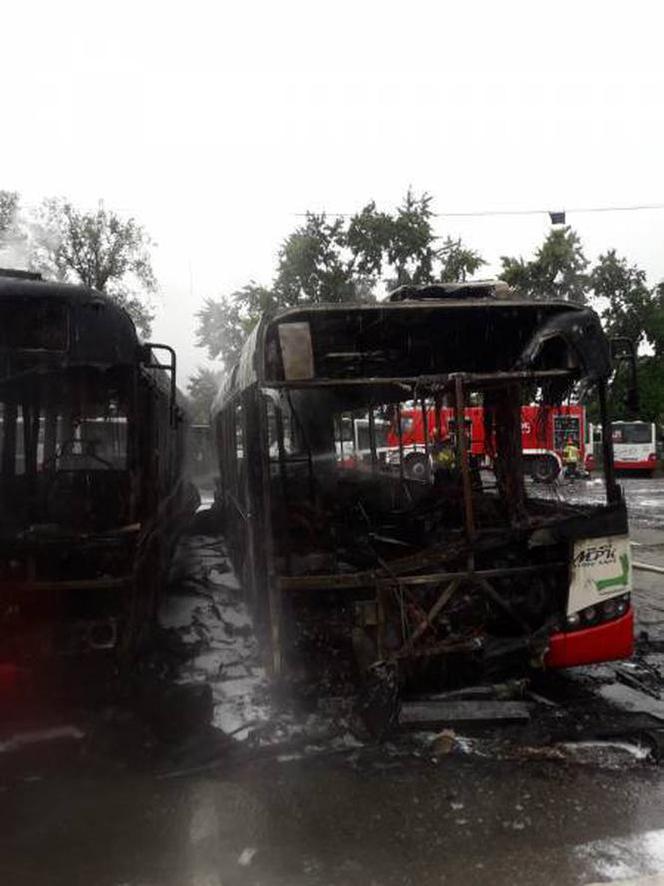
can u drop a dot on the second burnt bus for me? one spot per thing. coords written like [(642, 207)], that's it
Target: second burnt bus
[(93, 490), (350, 561)]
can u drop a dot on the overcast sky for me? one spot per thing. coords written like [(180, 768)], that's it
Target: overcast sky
[(214, 124)]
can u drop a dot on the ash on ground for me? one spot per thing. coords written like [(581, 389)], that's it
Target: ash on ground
[(206, 611)]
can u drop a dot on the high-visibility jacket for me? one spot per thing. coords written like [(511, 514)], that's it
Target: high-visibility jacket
[(571, 454), (443, 457)]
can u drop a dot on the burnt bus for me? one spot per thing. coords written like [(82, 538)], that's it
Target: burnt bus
[(92, 490), (455, 574)]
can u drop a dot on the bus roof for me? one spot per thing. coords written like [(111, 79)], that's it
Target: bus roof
[(474, 323), (48, 317)]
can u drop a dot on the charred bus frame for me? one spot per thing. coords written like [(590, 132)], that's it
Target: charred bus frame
[(92, 490), (439, 572)]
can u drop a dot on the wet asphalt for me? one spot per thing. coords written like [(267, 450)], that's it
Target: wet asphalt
[(364, 815), (372, 821)]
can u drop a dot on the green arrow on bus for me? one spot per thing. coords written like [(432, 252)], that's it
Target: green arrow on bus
[(616, 581)]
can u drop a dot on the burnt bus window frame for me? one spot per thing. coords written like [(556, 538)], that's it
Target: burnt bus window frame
[(72, 439), (23, 313)]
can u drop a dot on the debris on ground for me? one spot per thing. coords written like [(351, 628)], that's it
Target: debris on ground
[(444, 743), (640, 676), (37, 736), (607, 754), (554, 717), (206, 611), (429, 712)]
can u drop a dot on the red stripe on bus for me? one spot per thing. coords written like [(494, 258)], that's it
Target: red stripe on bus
[(604, 642)]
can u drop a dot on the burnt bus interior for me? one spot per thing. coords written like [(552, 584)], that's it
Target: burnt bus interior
[(91, 482), (345, 554), (65, 454)]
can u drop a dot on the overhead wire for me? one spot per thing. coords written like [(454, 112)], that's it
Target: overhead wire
[(482, 213)]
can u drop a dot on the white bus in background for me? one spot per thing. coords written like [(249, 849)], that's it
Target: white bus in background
[(352, 438), (634, 446)]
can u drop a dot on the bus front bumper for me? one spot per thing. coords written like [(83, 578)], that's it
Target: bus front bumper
[(608, 641), (643, 464)]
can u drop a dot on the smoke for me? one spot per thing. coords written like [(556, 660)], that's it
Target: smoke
[(15, 253), (14, 249), (27, 241)]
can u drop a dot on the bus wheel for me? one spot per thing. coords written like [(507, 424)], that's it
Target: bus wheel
[(544, 469), (415, 466)]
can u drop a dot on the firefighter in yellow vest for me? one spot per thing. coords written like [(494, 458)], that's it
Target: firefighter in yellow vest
[(443, 457), (571, 457)]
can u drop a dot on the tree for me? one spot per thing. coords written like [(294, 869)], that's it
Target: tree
[(339, 260), (411, 249), (650, 374), (202, 388), (654, 323), (224, 324), (404, 244), (630, 308), (557, 270), (13, 238), (629, 300), (9, 202), (458, 262), (98, 249), (311, 265), (368, 238)]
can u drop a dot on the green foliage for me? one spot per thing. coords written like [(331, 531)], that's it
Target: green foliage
[(650, 384), (556, 272), (336, 260), (410, 251), (368, 237), (224, 324), (651, 388), (516, 272), (654, 322), (311, 265), (406, 244), (402, 245), (98, 249), (625, 290), (630, 308), (202, 388), (458, 263)]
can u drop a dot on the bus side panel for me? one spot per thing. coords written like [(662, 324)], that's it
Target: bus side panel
[(257, 529)]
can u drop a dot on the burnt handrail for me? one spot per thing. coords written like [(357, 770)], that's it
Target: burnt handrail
[(442, 379), (349, 581), (150, 363)]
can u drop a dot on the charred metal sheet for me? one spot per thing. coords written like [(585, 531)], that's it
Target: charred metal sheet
[(583, 337), (421, 713), (480, 289)]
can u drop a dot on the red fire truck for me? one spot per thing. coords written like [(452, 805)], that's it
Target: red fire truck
[(544, 433)]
